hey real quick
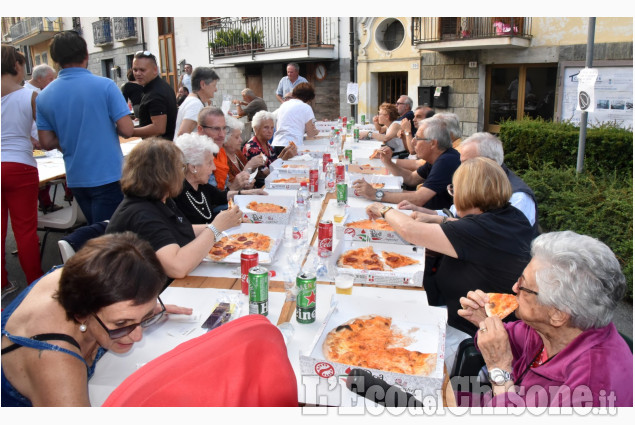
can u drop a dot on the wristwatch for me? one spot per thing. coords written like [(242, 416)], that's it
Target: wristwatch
[(407, 133), (379, 195), (499, 376), (384, 210), (217, 235)]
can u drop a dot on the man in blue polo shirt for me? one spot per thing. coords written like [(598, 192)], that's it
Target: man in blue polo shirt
[(432, 144), (287, 83), (82, 114)]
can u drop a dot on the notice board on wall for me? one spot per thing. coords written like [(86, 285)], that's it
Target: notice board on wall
[(613, 96)]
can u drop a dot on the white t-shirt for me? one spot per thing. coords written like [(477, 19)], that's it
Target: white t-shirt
[(189, 109), (292, 118), (17, 123)]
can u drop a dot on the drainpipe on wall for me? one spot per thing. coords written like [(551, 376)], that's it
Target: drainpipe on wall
[(143, 35), (353, 65)]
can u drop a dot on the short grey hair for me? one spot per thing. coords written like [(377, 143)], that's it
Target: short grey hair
[(207, 111), (248, 93), (194, 147), (295, 65), (233, 124), (41, 71), (261, 116), (453, 123), (437, 129), (408, 102), (203, 73), (487, 145), (578, 275)]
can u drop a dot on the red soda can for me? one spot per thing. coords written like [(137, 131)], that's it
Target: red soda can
[(340, 173), (313, 180), (325, 238), (248, 259), (325, 160)]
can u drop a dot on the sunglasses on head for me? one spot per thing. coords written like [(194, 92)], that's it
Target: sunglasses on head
[(126, 330), (144, 53)]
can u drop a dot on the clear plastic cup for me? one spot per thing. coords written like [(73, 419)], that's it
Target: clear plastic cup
[(344, 284)]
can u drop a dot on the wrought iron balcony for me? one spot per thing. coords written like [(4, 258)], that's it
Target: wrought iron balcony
[(470, 33), (125, 28), (246, 36), (34, 30), (102, 33)]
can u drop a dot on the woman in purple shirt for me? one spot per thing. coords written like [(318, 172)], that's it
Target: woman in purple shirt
[(564, 350)]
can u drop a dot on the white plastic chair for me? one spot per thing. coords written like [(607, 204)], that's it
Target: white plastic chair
[(64, 220), (66, 250)]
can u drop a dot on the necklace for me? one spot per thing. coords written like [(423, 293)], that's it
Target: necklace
[(237, 162), (194, 204), (199, 98)]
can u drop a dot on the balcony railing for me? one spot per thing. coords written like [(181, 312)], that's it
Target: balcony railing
[(434, 30), (102, 33), (125, 28), (31, 26), (242, 36)]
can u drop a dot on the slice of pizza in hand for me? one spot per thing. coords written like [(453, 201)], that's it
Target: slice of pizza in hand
[(501, 305)]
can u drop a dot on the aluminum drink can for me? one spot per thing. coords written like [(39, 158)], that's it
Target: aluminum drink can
[(259, 290), (248, 259), (348, 153), (325, 160), (363, 119), (305, 301), (340, 173), (325, 238), (344, 119), (313, 180), (342, 194), (356, 135)]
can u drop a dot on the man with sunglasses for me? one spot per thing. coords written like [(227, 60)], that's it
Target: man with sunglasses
[(157, 110), (83, 115)]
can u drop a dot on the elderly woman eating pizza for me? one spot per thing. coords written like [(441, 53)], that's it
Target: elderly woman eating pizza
[(564, 350)]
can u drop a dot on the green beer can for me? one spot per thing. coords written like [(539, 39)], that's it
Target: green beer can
[(342, 194), (348, 153), (258, 290), (305, 301), (363, 119), (356, 135)]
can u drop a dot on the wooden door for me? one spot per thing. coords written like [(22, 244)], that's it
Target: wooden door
[(167, 58)]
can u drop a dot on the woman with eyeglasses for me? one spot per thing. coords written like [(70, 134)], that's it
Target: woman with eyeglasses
[(199, 200), (153, 174), (564, 350), (388, 116), (486, 248), (56, 330)]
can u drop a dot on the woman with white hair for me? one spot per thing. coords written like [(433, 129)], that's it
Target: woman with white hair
[(199, 200), (263, 124), (235, 158), (564, 350)]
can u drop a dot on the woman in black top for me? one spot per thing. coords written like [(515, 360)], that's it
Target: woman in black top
[(152, 174), (133, 92), (487, 248), (199, 200)]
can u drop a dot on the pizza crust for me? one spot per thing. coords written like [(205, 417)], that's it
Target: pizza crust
[(373, 342), (501, 305)]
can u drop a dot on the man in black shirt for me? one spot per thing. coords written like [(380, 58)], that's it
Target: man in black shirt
[(157, 111)]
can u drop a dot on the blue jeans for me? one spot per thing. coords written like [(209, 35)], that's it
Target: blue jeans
[(100, 202)]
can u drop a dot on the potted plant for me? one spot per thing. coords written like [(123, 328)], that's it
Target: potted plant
[(235, 40), (256, 39), (220, 43)]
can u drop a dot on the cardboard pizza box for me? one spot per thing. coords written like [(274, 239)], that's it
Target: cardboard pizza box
[(294, 167), (316, 151), (272, 218), (390, 183), (411, 276), (275, 175), (274, 231), (365, 235), (367, 168), (426, 325)]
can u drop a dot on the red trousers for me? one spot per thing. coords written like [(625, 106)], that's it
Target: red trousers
[(20, 184)]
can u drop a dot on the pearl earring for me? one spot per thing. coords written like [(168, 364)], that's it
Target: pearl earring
[(83, 327), (195, 171)]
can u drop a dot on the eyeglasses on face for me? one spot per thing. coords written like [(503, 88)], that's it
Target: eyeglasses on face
[(451, 189), (126, 330), (421, 139), (216, 129), (529, 291)]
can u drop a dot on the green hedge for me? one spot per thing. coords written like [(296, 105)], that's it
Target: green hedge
[(540, 142), (598, 202)]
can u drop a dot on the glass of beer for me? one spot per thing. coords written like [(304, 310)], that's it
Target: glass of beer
[(344, 284)]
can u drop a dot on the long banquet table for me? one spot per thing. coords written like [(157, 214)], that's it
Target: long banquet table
[(207, 285)]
